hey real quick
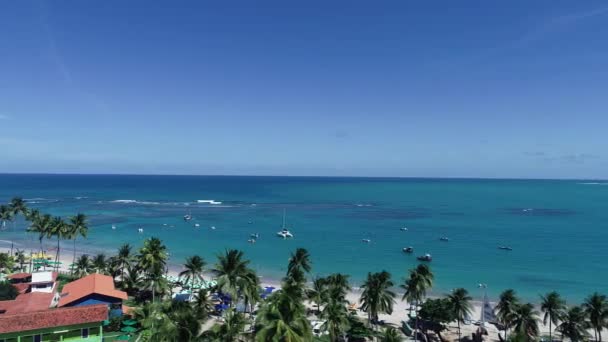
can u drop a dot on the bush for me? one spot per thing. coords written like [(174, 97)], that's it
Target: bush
[(7, 291)]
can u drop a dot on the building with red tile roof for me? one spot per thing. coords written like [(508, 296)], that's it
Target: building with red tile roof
[(55, 324), (33, 301), (93, 289)]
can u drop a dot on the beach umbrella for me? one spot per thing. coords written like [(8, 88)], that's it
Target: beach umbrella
[(122, 338), (128, 329), (106, 322), (129, 322)]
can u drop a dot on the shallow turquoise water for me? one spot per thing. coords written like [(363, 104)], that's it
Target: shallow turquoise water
[(557, 229)]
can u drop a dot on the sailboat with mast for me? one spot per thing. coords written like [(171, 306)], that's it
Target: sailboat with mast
[(284, 233)]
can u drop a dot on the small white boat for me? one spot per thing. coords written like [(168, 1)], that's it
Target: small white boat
[(187, 217), (366, 240), (404, 229), (255, 236), (408, 250), (285, 234), (251, 240), (197, 225), (426, 257), (443, 238), (113, 227), (141, 230), (213, 227)]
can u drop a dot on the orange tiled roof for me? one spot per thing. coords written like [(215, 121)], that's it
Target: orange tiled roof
[(19, 275), (91, 284), (22, 287), (28, 302), (53, 318)]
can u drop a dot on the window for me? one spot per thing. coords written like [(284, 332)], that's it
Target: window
[(37, 338), (85, 332)]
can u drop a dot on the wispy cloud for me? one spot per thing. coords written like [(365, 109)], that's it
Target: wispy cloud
[(572, 158), (556, 24)]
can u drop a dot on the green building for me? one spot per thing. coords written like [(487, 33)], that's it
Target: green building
[(82, 323)]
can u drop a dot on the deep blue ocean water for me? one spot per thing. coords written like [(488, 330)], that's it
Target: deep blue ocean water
[(557, 229)]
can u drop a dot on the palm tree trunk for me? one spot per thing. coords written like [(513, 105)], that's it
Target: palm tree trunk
[(74, 258), (57, 254), (550, 330), (416, 322), (459, 336), (599, 332)]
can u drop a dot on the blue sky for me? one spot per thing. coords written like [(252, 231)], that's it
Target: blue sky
[(357, 88)]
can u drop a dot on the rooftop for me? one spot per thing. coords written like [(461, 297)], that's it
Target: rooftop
[(53, 318), (44, 277), (33, 301), (19, 276), (91, 284)]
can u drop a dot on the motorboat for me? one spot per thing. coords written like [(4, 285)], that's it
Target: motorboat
[(285, 234), (366, 240), (426, 257), (255, 236), (187, 217), (443, 238), (505, 248), (213, 227), (197, 225), (141, 230), (113, 227), (251, 240), (408, 250), (404, 229)]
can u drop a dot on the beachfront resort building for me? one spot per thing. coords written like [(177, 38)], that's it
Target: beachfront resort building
[(82, 323), (91, 290), (43, 282)]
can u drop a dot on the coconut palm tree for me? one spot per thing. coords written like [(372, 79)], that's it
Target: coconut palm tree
[(6, 215), (131, 280), (299, 262), (525, 321), (18, 207), (596, 308), (420, 280), (376, 296), (41, 225), (193, 269), (250, 289), (574, 324), (152, 256), (460, 302), (232, 272), (553, 307), (505, 309), (232, 328), (318, 292), (336, 319), (58, 229), (124, 258), (100, 263), (282, 318), (202, 302), (391, 334), (78, 226), (337, 287), (83, 266)]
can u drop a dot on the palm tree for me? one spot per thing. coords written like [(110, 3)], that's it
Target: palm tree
[(83, 266), (376, 296), (282, 319), (525, 321), (131, 280), (390, 334), (18, 206), (419, 282), (58, 229), (123, 259), (318, 292), (299, 262), (100, 263), (596, 308), (505, 309), (193, 269), (202, 302), (460, 301), (20, 258), (6, 215), (336, 319), (152, 256), (232, 328), (337, 287), (78, 226), (232, 272), (41, 225), (250, 289), (574, 324), (553, 306)]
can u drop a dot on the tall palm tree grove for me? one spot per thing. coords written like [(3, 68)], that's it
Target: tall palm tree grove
[(420, 280), (505, 309), (596, 308), (193, 269), (78, 226), (525, 321), (574, 324)]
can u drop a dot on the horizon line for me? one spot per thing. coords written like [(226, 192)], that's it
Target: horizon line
[(292, 176)]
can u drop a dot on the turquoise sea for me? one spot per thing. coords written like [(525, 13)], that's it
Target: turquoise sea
[(558, 230)]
